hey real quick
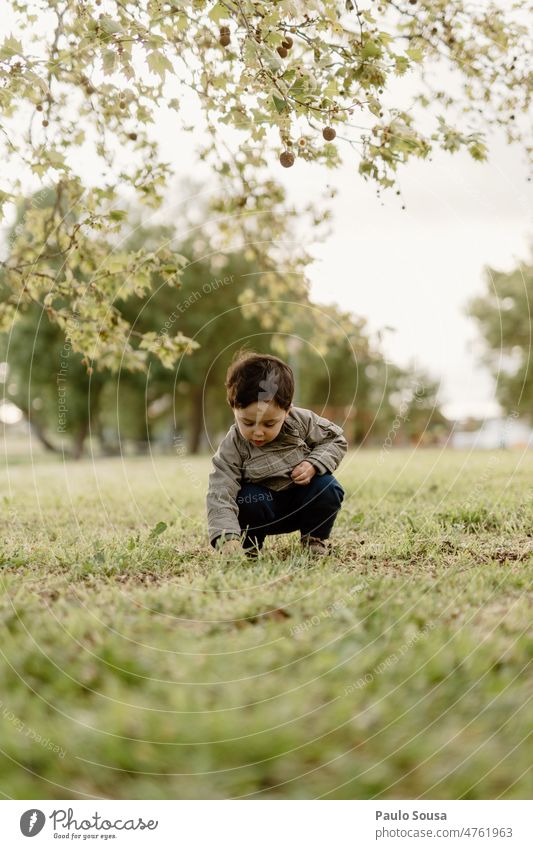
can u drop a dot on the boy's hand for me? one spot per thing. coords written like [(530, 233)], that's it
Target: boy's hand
[(303, 472), (230, 546)]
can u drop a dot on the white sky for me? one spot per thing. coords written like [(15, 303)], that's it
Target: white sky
[(415, 269)]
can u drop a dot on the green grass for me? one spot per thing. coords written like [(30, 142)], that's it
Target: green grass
[(396, 668)]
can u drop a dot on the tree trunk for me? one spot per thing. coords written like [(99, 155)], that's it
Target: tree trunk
[(107, 449), (78, 441), (359, 428), (196, 419)]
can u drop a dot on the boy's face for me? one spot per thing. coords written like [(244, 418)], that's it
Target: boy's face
[(260, 422)]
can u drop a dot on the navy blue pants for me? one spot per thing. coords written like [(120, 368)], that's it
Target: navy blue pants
[(310, 509)]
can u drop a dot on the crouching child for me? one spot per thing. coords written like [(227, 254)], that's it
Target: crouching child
[(273, 471)]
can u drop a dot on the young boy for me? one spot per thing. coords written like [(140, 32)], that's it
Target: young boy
[(273, 469)]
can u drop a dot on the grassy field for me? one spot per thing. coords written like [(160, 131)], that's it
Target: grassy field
[(134, 664)]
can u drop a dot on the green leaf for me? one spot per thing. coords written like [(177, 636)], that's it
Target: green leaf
[(280, 104), (415, 53), (158, 63), (117, 262), (371, 50), (297, 88), (109, 25), (402, 64), (117, 214), (109, 60), (10, 47), (127, 70), (332, 88), (5, 196), (55, 159), (478, 151), (374, 106), (218, 13), (159, 529)]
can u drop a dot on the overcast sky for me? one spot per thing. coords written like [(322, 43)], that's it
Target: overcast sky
[(415, 269)]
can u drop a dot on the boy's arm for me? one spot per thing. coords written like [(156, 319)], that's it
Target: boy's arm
[(326, 440), (224, 485)]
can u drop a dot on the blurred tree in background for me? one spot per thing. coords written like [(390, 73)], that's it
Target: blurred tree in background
[(223, 302), (504, 315), (207, 302)]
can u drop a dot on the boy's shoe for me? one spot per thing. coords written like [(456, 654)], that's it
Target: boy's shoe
[(314, 545)]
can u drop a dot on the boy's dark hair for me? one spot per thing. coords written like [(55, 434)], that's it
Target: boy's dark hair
[(254, 377)]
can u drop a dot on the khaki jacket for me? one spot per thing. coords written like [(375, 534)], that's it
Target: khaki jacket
[(303, 436)]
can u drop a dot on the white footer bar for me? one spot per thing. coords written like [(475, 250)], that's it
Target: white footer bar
[(269, 824)]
